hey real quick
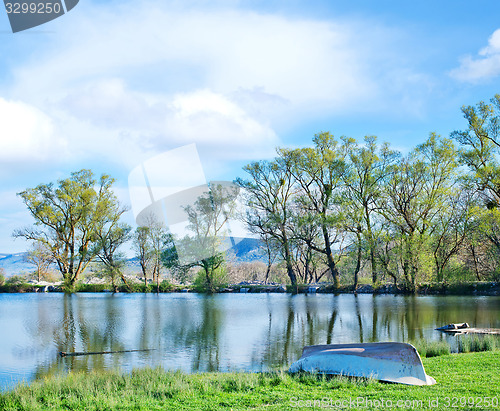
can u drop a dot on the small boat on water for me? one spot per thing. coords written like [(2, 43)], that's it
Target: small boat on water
[(385, 361), (464, 328)]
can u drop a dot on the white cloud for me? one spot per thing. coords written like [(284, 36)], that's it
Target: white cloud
[(136, 81), (482, 67), (303, 61), (14, 216), (108, 103), (26, 133), (211, 119), (134, 126)]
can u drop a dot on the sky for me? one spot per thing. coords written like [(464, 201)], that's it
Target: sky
[(112, 84)]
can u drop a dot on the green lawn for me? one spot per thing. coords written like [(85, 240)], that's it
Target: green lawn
[(464, 381)]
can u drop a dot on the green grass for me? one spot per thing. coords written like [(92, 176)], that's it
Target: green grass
[(432, 348), (466, 344), (476, 343), (460, 378)]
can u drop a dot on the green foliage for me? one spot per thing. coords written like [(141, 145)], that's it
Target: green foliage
[(218, 281), (269, 193), (429, 349), (15, 284), (69, 217), (201, 247), (136, 288), (480, 144), (463, 375), (477, 343), (2, 276), (166, 287), (91, 288)]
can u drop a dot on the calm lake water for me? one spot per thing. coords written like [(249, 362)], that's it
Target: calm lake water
[(225, 332)]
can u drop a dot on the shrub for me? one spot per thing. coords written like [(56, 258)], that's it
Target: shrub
[(15, 284), (431, 348), (219, 280), (166, 286), (138, 288), (91, 288), (476, 343)]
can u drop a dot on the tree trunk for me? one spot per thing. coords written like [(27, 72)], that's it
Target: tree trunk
[(268, 271), (373, 263), (208, 276), (358, 262), (288, 260), (210, 286), (329, 258), (472, 248), (125, 281), (371, 243)]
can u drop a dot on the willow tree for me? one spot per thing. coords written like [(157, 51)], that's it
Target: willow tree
[(269, 194), (68, 217), (364, 184), (40, 256), (416, 194), (148, 243), (319, 171), (480, 148), (206, 231), (110, 238)]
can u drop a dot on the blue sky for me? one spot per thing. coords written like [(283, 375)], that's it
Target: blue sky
[(113, 83)]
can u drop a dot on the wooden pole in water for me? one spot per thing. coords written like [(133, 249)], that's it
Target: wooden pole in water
[(74, 354)]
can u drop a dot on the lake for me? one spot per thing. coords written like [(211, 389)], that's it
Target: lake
[(223, 332)]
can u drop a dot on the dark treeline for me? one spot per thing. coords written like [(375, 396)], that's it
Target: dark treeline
[(343, 207)]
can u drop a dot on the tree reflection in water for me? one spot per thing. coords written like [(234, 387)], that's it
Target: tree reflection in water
[(226, 332)]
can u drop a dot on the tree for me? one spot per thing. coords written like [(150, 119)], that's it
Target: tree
[(364, 183), (480, 149), (415, 195), (143, 250), (157, 238), (450, 229), (268, 194), (269, 248), (207, 228), (41, 257), (110, 239), (319, 171), (68, 218), (480, 146), (149, 243)]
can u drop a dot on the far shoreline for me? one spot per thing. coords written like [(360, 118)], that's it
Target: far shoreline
[(469, 288)]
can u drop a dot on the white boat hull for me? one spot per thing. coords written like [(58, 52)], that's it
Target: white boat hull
[(392, 362)]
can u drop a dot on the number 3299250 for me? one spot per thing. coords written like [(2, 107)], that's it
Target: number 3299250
[(33, 8)]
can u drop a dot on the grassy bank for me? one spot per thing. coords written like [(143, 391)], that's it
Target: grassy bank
[(466, 344), (463, 380)]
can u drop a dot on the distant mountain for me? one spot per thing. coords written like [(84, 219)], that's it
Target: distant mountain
[(14, 264), (246, 250)]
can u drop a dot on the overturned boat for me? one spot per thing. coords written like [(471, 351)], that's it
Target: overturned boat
[(385, 361)]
